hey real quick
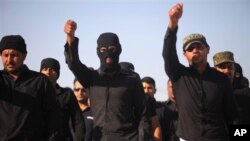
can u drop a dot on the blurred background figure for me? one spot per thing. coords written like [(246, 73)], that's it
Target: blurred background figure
[(82, 97), (240, 81), (148, 84), (172, 115), (67, 101), (225, 63)]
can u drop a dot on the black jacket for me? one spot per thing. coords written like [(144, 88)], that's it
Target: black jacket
[(205, 102), (28, 109), (117, 102)]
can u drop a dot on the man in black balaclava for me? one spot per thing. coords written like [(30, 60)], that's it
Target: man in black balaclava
[(116, 95)]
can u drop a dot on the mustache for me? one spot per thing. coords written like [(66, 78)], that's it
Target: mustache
[(10, 63)]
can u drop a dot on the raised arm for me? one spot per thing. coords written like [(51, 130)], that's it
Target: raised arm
[(81, 71), (169, 53)]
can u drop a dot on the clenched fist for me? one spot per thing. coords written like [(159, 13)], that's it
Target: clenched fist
[(70, 28), (175, 14)]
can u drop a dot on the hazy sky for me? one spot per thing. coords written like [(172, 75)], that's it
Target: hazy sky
[(140, 25)]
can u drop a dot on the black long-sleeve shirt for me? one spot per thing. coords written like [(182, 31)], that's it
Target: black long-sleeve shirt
[(117, 102), (71, 112), (28, 109), (205, 102)]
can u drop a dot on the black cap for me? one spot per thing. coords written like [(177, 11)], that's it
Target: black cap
[(13, 42), (194, 38), (51, 63)]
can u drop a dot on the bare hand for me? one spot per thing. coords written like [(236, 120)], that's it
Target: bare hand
[(70, 28), (175, 14)]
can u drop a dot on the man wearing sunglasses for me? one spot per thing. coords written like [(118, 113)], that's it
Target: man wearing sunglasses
[(82, 97), (203, 96)]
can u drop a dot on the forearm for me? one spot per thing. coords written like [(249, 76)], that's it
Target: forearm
[(157, 134), (81, 71), (71, 53)]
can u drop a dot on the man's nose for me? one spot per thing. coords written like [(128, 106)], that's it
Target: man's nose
[(9, 58)]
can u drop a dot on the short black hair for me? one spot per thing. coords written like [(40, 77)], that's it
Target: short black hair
[(148, 79)]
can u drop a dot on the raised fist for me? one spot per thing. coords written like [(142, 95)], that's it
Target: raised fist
[(175, 14), (70, 28)]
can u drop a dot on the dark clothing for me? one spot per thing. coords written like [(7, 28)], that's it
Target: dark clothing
[(171, 119), (70, 113), (150, 105), (117, 100), (242, 97), (88, 120), (240, 82), (28, 109), (161, 114), (167, 115), (205, 101), (145, 129)]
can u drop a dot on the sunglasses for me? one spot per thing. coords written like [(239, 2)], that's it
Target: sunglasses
[(78, 89)]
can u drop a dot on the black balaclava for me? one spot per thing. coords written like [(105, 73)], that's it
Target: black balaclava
[(106, 40)]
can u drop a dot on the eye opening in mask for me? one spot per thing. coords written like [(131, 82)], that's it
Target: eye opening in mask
[(109, 48)]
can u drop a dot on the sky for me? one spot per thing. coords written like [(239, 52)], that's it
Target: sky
[(140, 25)]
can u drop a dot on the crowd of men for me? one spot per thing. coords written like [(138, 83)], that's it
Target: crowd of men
[(113, 103)]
